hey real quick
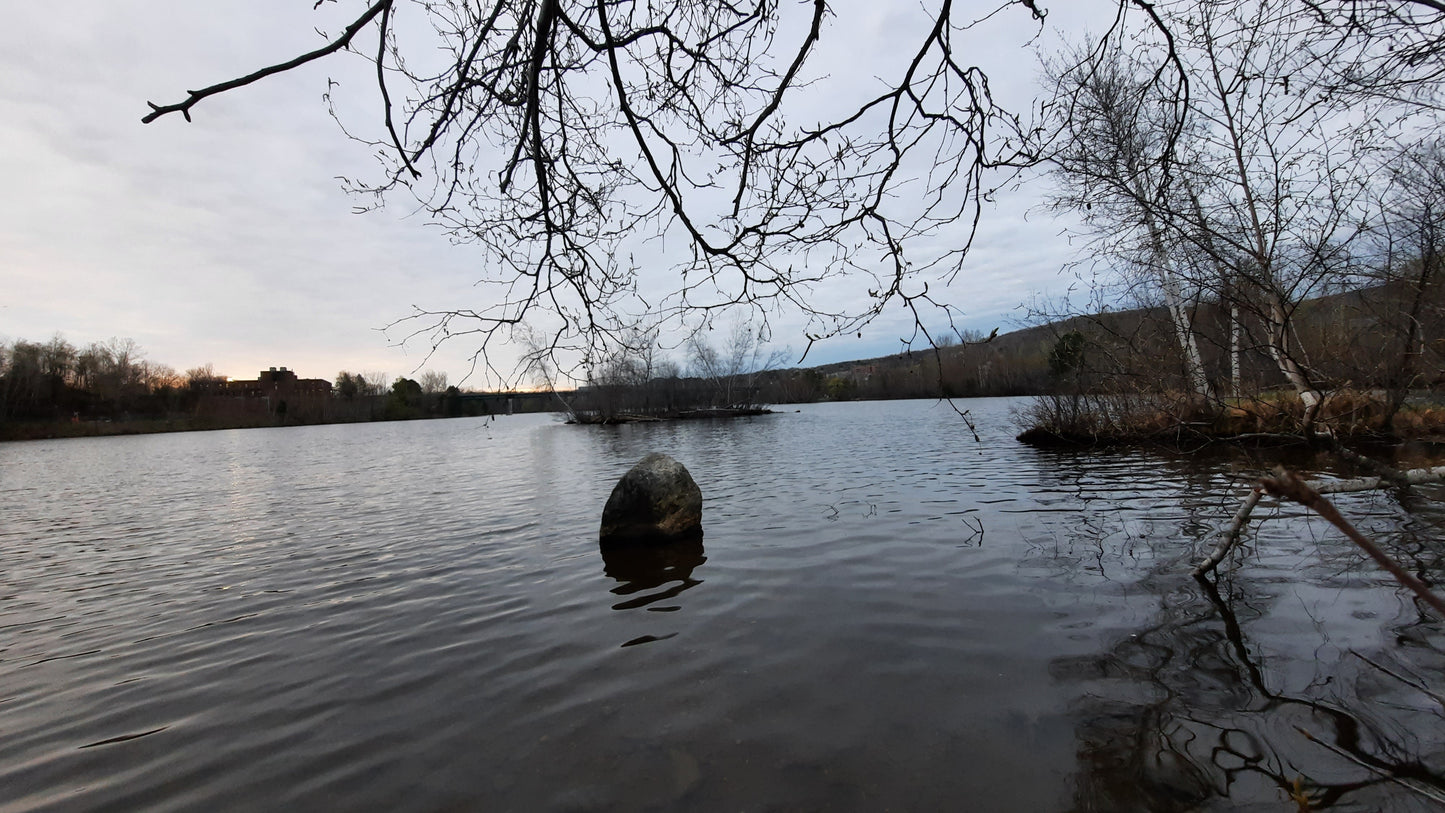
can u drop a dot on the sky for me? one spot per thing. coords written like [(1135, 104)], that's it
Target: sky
[(229, 240)]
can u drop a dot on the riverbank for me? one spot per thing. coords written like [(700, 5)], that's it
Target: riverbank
[(1097, 420)]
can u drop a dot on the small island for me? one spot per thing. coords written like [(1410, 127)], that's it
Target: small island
[(674, 415)]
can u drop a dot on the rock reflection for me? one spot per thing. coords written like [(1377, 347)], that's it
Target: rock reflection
[(653, 573)]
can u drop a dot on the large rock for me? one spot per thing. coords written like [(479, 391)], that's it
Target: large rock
[(656, 501)]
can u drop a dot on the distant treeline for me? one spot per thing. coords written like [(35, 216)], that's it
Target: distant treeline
[(55, 379), (1353, 340), (55, 388)]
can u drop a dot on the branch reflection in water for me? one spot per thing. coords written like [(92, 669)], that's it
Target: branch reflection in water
[(1188, 711), (1273, 683)]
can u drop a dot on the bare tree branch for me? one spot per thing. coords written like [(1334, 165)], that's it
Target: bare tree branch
[(559, 137), (338, 44), (1287, 485)]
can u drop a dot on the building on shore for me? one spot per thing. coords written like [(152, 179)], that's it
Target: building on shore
[(277, 391)]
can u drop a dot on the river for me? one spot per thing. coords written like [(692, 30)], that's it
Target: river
[(885, 613)]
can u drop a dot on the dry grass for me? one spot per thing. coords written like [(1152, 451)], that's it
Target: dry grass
[(1115, 418)]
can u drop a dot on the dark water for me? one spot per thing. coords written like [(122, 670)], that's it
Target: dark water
[(884, 614)]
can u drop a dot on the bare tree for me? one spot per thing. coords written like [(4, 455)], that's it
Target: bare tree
[(624, 379), (115, 369), (732, 368), (1109, 132), (1262, 171), (374, 383), (58, 359), (23, 384), (433, 382), (89, 364), (555, 134), (1386, 52), (549, 133), (1412, 252), (203, 377)]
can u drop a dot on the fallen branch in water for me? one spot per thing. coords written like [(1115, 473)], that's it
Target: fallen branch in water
[(1287, 485), (1230, 537)]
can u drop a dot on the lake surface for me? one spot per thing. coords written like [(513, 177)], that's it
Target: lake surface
[(884, 614)]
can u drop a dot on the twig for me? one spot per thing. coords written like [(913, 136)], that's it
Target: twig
[(1417, 686), (1287, 485), (1427, 792)]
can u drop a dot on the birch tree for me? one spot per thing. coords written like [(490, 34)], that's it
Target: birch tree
[(1109, 138), (1259, 171)]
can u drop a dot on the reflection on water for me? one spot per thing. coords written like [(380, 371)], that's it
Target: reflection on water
[(414, 617), (1185, 712), (1266, 684), (641, 568)]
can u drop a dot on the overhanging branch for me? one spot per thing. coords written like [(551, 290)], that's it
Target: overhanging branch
[(184, 108)]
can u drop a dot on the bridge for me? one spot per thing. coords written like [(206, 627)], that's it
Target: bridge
[(507, 403)]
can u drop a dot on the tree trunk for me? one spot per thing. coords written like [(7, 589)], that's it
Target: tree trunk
[(1236, 335), (1277, 331), (1195, 377)]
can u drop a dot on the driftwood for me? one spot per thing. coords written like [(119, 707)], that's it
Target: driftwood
[(1287, 485)]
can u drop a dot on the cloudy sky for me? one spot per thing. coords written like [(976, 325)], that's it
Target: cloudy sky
[(229, 240)]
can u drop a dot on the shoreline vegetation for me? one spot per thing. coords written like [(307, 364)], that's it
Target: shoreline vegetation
[(1269, 419)]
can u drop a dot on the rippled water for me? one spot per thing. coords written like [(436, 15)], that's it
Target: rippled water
[(884, 614)]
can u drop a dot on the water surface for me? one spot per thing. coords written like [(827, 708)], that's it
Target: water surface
[(884, 613)]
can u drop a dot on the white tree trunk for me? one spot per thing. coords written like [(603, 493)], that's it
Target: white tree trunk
[(1277, 324), (1198, 381)]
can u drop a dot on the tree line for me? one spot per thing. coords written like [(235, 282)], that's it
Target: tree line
[(740, 371), (1106, 370), (56, 381)]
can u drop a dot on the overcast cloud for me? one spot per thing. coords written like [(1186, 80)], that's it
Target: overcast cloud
[(229, 241)]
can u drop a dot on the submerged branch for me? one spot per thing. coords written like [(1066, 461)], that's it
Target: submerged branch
[(1402, 781), (1230, 537)]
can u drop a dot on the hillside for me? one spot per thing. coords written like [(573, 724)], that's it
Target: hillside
[(1347, 339)]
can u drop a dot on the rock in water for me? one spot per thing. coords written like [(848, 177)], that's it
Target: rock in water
[(655, 501)]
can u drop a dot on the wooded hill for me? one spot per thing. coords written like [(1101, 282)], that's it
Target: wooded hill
[(1355, 339)]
